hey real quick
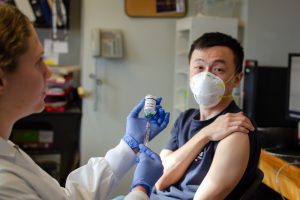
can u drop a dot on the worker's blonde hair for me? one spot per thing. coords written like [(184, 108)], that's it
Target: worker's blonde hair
[(15, 29)]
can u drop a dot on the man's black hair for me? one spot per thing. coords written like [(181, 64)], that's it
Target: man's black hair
[(212, 39)]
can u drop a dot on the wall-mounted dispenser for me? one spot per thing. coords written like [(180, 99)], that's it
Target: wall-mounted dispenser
[(107, 43)]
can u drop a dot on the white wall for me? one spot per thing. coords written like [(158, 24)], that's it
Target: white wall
[(272, 31), (147, 67)]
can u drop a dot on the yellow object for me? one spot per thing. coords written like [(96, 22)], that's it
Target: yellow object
[(82, 92), (280, 175), (50, 62)]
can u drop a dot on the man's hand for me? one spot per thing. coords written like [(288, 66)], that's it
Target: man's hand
[(226, 124)]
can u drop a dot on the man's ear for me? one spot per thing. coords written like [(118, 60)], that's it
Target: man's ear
[(238, 78)]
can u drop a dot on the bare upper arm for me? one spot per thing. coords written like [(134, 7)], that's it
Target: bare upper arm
[(228, 166)]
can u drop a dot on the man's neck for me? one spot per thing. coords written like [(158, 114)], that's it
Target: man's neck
[(207, 113)]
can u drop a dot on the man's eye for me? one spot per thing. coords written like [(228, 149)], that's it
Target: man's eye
[(199, 67), (218, 69)]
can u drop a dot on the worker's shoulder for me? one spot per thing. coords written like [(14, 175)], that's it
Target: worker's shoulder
[(7, 178), (12, 185)]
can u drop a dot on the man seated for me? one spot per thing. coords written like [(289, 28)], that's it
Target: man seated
[(213, 151)]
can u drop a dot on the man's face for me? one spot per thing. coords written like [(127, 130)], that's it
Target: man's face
[(218, 60)]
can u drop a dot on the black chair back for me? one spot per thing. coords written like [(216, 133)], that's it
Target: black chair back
[(259, 175)]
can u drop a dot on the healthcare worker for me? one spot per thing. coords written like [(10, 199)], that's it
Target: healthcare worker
[(23, 76)]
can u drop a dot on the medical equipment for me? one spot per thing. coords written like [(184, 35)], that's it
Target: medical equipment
[(149, 109), (107, 43)]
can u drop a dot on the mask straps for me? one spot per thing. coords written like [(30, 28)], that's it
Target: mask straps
[(226, 96), (231, 77), (227, 81)]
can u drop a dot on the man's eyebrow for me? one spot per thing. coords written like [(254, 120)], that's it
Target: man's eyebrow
[(199, 60), (219, 61)]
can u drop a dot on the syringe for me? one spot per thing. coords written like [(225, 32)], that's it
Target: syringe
[(147, 134)]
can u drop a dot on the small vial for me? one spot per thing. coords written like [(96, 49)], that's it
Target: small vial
[(150, 106)]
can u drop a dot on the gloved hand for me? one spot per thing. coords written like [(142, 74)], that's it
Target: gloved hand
[(149, 169), (136, 127)]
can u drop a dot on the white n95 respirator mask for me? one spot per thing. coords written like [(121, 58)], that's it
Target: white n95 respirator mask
[(208, 89)]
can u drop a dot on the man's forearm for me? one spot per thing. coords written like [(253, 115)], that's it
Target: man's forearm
[(176, 163)]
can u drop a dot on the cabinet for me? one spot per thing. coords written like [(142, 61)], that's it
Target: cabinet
[(41, 11), (63, 155), (188, 30)]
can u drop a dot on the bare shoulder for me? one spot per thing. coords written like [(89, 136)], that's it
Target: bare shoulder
[(235, 142), (236, 137)]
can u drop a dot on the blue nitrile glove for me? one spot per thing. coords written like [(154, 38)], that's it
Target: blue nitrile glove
[(149, 169), (136, 127)]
